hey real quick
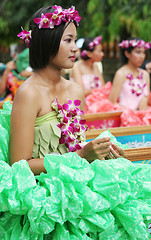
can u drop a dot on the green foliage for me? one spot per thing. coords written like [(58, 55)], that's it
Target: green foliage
[(110, 18)]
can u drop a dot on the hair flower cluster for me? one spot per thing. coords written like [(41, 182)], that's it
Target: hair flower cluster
[(134, 43), (49, 20), (72, 126), (95, 42), (25, 36)]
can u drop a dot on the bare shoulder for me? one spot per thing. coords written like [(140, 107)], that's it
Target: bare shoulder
[(26, 96), (145, 73), (120, 74), (121, 71)]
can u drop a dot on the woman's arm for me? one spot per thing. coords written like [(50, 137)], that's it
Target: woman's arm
[(22, 124), (143, 105), (99, 72), (116, 87), (77, 76), (3, 83)]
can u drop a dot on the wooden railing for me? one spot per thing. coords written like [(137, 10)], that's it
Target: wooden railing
[(137, 154), (120, 131)]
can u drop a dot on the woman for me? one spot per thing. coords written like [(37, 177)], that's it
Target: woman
[(131, 85), (35, 97), (86, 71), (70, 199)]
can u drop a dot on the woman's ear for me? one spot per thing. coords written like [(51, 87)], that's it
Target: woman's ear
[(89, 54), (127, 54)]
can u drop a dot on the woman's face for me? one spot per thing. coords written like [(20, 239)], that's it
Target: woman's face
[(66, 55), (137, 56), (97, 54)]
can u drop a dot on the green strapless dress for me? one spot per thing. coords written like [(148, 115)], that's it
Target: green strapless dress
[(46, 136)]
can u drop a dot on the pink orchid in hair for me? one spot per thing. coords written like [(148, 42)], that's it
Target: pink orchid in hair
[(25, 36), (95, 42), (71, 125), (135, 43), (49, 20), (84, 54), (45, 21)]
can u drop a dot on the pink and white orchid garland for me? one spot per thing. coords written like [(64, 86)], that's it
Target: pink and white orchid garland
[(137, 88), (134, 43), (72, 127), (50, 20)]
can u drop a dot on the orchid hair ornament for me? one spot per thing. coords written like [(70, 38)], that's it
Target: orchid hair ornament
[(135, 43), (95, 42), (50, 20)]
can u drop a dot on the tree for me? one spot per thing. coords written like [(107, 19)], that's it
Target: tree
[(120, 18), (110, 18), (14, 14)]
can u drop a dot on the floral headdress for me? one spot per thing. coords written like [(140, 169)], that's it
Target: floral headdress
[(96, 41), (50, 20), (134, 43)]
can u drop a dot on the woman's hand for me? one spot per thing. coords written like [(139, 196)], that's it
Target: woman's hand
[(115, 152), (96, 149), (10, 65)]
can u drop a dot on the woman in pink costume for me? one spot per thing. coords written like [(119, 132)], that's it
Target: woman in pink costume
[(131, 84), (86, 71)]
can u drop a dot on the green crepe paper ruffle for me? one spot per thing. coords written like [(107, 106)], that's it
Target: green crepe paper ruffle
[(113, 139), (4, 131), (74, 200)]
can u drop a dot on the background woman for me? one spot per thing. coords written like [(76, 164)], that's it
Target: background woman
[(85, 72), (131, 85)]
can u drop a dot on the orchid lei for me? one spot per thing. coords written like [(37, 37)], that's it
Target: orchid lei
[(136, 87), (92, 44), (94, 82), (72, 127), (134, 43), (50, 20)]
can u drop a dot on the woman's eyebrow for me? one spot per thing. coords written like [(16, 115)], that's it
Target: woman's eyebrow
[(70, 35)]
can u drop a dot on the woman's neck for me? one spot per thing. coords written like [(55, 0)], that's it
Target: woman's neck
[(133, 69), (51, 75), (89, 63)]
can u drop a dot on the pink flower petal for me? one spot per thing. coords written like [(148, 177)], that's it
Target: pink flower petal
[(77, 102)]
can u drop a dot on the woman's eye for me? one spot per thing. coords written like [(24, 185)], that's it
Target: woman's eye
[(68, 40)]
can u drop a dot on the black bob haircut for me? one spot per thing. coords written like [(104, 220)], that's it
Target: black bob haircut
[(86, 47), (129, 50), (44, 43)]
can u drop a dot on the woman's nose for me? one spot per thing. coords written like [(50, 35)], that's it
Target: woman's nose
[(74, 48)]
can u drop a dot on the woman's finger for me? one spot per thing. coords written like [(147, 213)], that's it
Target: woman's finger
[(101, 140), (118, 150)]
